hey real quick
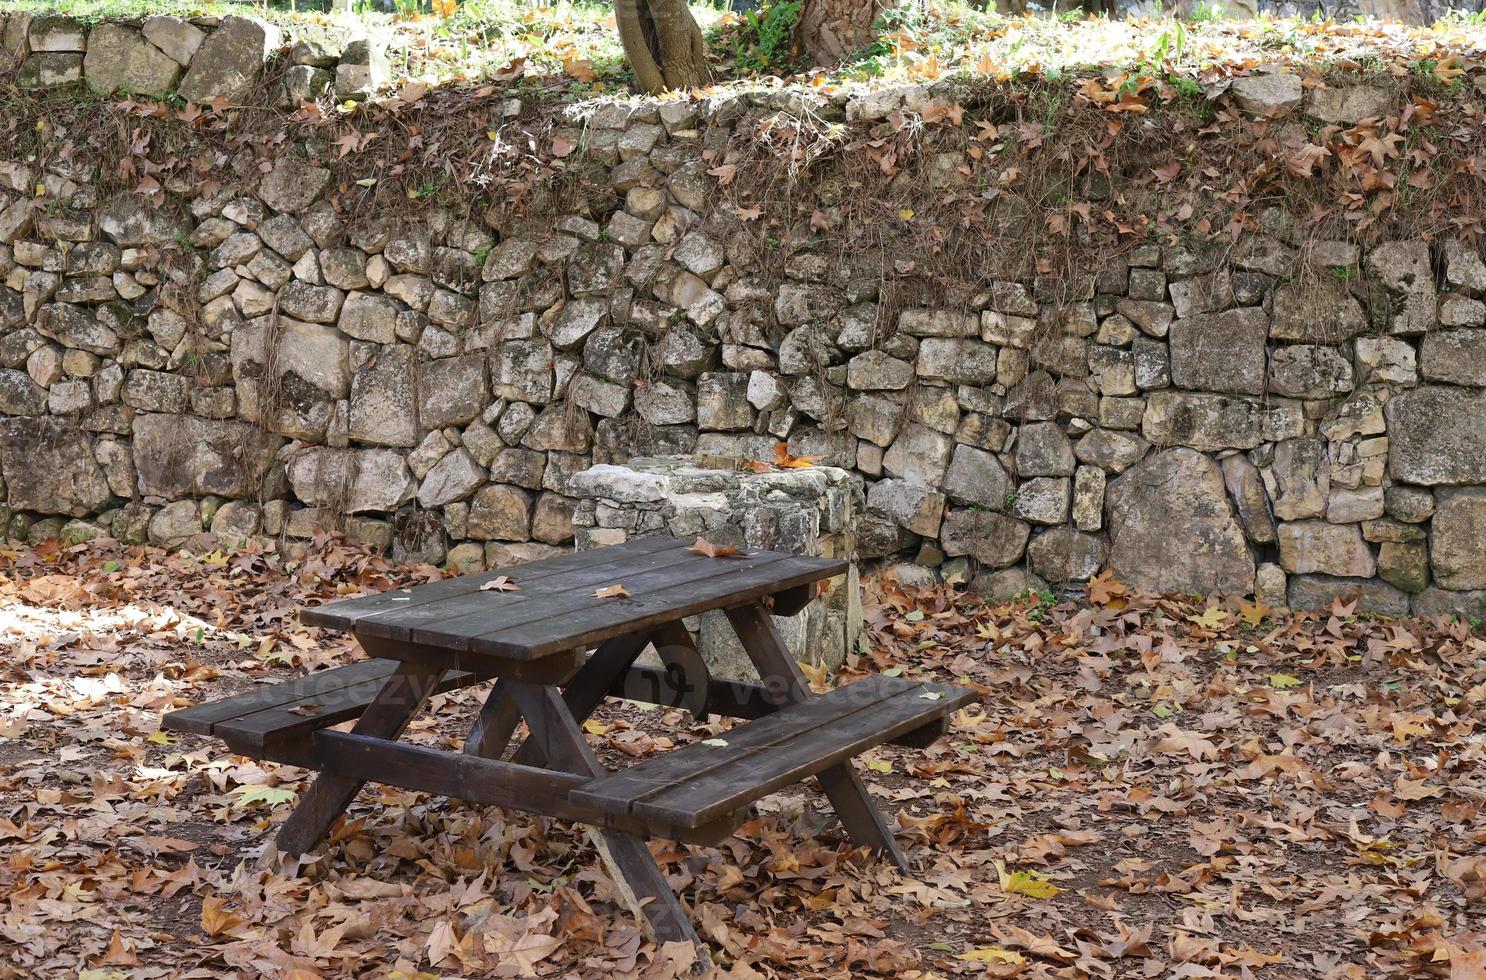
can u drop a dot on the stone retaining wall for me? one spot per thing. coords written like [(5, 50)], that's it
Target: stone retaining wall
[(1292, 418), (199, 60)]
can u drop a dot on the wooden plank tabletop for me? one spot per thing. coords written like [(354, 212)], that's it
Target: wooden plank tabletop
[(553, 607)]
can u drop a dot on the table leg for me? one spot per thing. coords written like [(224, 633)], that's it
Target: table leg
[(589, 686), (558, 736), (496, 724), (684, 666), (396, 703), (785, 684)]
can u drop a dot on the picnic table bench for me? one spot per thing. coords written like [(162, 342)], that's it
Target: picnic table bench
[(533, 636)]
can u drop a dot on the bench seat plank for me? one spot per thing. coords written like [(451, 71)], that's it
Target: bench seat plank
[(703, 782), (257, 733), (250, 722), (201, 719)]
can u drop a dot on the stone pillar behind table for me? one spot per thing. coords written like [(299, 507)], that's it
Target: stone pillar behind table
[(807, 511)]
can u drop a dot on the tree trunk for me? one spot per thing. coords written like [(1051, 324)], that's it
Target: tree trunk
[(829, 30), (662, 44)]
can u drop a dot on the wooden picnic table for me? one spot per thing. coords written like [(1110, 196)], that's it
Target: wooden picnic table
[(533, 637)]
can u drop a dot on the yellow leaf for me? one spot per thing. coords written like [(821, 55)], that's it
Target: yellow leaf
[(991, 954), (1284, 680), (1406, 728), (159, 738), (783, 458), (1448, 70), (1252, 613), (270, 795), (597, 727), (1211, 618), (1028, 883), (906, 214), (879, 765)]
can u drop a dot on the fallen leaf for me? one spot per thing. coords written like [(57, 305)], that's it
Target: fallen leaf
[(991, 954), (1029, 883), (215, 919), (267, 795), (705, 547), (118, 954), (783, 458)]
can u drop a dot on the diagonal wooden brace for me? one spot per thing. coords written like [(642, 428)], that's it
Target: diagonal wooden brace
[(400, 698), (785, 683)]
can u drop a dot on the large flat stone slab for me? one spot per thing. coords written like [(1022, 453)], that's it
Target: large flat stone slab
[(1437, 435), (1172, 528)]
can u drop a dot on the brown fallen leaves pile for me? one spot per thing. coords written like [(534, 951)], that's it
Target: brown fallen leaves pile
[(1151, 787)]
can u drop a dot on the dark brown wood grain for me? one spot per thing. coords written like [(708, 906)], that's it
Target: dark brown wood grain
[(786, 684), (401, 696), (201, 718), (706, 780), (583, 623), (553, 608), (726, 697), (475, 779), (450, 621), (346, 613), (253, 733)]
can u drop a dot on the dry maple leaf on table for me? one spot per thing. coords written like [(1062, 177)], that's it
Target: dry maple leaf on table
[(612, 592), (503, 583), (705, 547)]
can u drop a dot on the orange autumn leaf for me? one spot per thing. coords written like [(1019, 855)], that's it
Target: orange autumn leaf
[(215, 919), (783, 458), (705, 547), (1105, 589), (117, 953), (580, 69)]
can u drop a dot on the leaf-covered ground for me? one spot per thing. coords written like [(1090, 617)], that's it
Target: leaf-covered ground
[(1149, 788)]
